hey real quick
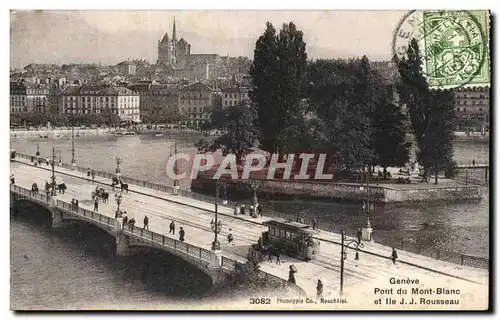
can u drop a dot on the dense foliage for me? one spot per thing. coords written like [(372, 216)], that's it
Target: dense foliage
[(431, 114)]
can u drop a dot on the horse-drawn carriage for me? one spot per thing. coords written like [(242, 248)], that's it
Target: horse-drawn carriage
[(100, 193), (290, 237)]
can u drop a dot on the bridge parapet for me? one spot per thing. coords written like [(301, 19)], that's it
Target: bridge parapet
[(67, 210), (199, 255), (212, 263)]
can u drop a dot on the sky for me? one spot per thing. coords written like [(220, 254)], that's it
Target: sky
[(110, 37)]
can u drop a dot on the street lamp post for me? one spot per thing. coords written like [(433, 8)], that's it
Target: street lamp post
[(118, 170), (53, 191), (118, 199), (73, 160), (366, 232), (216, 225), (343, 256), (254, 185), (176, 182)]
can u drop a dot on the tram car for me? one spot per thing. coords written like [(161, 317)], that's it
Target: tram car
[(294, 238)]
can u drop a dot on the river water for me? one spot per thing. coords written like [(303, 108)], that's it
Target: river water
[(76, 268)]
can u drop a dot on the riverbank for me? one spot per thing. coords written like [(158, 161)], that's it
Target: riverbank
[(56, 133), (66, 132), (446, 190)]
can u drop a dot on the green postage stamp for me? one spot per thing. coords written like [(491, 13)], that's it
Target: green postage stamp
[(455, 46)]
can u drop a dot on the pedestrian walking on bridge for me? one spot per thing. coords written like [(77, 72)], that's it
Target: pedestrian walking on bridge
[(319, 290), (181, 234), (291, 274), (12, 179), (230, 237), (146, 221), (172, 228), (125, 219), (315, 223), (359, 234), (88, 172), (394, 256), (93, 175), (96, 205), (278, 257)]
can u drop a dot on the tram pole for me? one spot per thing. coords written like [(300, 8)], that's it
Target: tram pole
[(342, 253)]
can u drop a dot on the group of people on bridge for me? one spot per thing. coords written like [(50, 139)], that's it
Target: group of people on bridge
[(255, 210)]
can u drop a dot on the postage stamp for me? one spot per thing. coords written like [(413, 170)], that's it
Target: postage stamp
[(455, 46)]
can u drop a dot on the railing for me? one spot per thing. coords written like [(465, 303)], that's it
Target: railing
[(163, 241), (81, 212), (448, 256), (144, 184), (230, 265)]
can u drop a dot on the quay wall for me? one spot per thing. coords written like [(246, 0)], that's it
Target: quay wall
[(57, 132), (346, 191)]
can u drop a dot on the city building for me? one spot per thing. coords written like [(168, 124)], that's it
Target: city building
[(195, 104), (163, 103), (127, 68), (42, 68), (178, 52), (472, 107), (18, 98), (55, 99), (37, 98), (86, 99), (234, 94)]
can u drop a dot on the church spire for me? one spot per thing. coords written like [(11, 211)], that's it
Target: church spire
[(174, 36)]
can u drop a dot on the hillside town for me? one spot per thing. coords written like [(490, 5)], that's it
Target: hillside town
[(179, 90)]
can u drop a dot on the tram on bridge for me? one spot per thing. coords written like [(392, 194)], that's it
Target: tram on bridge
[(294, 238)]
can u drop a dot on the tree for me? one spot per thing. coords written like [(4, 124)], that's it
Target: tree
[(278, 72), (431, 113), (237, 123), (342, 96), (390, 144)]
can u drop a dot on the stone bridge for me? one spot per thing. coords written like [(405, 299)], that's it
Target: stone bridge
[(211, 263)]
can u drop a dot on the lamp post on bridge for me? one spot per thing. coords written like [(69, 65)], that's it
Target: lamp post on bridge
[(176, 182), (367, 207), (343, 255), (53, 191), (73, 160), (216, 225), (118, 170), (118, 199)]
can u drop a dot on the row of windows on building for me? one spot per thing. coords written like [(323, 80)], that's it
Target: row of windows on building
[(231, 102), (16, 98), (465, 109), (100, 111), (473, 103), (481, 96), (107, 99)]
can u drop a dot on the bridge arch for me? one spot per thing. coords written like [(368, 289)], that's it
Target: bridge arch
[(203, 266)]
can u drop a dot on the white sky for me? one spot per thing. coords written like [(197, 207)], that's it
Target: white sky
[(328, 34)]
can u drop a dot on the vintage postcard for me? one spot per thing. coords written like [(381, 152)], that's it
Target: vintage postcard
[(250, 160)]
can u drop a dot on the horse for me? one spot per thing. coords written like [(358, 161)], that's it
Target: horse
[(61, 188), (124, 186), (114, 182)]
